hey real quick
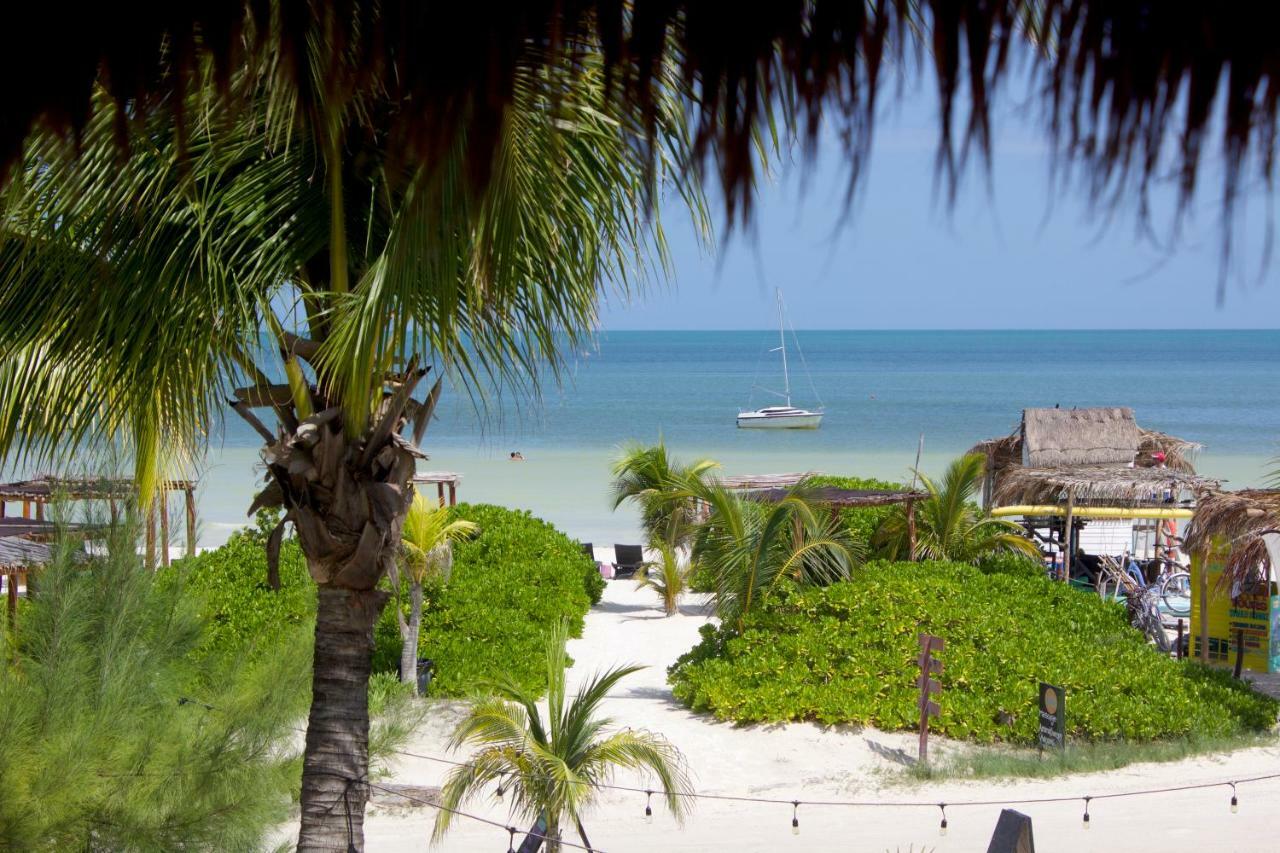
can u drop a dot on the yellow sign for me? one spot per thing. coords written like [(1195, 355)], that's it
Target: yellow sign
[(1251, 609)]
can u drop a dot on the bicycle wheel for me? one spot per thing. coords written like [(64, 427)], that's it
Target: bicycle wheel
[(1175, 592)]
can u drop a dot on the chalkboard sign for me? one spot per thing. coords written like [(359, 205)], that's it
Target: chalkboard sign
[(1053, 716)]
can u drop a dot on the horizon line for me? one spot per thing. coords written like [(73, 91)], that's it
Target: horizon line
[(974, 329)]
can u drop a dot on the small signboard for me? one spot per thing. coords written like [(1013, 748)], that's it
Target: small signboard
[(1053, 717)]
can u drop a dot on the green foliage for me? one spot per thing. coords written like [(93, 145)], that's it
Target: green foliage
[(510, 586), (663, 488), (846, 654), (1012, 563), (746, 548), (861, 522), (100, 753), (666, 577), (553, 764), (949, 523), (230, 585)]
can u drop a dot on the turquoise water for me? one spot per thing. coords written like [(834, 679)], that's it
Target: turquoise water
[(881, 390)]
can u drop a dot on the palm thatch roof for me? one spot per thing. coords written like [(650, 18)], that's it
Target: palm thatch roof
[(1118, 82), (1100, 454), (1240, 520), (1108, 484), (1057, 438)]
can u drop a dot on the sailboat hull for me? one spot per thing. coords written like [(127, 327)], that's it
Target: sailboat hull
[(779, 420)]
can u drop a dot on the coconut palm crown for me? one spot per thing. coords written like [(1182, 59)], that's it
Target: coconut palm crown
[(551, 765), (949, 524)]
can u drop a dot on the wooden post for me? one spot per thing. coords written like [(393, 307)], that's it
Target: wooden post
[(151, 537), (1203, 609), (911, 530), (26, 509), (928, 687), (1068, 539), (39, 510), (453, 494), (11, 581), (440, 492), (1177, 649), (191, 520), (164, 527), (1239, 653)]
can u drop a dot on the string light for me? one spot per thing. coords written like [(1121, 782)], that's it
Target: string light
[(499, 791), (1085, 820), (1235, 803), (648, 807), (795, 817), (942, 827), (511, 839)]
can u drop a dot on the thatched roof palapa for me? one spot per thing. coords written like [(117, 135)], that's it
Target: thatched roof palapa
[(1099, 454), (1057, 438), (1121, 80), (1241, 520)]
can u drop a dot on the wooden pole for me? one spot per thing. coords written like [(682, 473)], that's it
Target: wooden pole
[(1204, 608), (453, 494), (191, 520), (1239, 653), (26, 509), (911, 530), (928, 687), (11, 581), (164, 528), (1068, 538), (39, 510), (151, 537), (440, 492)]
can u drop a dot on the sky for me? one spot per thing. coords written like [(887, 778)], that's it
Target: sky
[(1017, 255)]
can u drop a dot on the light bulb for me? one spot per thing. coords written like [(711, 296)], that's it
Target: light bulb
[(648, 814), (1085, 822), (795, 826), (499, 793), (1235, 805), (942, 827)]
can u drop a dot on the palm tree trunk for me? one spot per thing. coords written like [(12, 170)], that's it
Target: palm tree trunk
[(553, 834), (409, 630), (337, 749)]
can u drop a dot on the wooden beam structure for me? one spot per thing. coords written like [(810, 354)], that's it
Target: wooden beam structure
[(446, 482)]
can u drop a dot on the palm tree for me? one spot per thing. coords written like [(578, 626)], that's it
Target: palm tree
[(284, 261), (748, 547), (949, 524), (551, 766), (665, 576), (662, 487), (426, 544)]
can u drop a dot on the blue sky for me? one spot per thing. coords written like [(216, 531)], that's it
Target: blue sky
[(1019, 256)]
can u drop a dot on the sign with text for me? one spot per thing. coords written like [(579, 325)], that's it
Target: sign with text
[(1053, 717)]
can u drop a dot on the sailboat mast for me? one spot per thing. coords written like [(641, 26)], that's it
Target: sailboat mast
[(782, 345)]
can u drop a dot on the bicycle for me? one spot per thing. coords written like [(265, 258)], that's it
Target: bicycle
[(1171, 584)]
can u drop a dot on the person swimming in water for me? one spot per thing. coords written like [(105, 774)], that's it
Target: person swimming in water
[(517, 456)]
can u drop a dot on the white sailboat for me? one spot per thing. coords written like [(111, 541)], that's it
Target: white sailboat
[(781, 417)]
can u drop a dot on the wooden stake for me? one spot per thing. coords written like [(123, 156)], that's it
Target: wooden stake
[(164, 528), (928, 687), (1239, 653), (911, 530), (1204, 608), (1068, 540), (191, 521), (151, 537)]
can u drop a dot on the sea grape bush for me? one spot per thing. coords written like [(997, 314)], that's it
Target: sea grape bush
[(510, 586), (846, 654), (861, 522)]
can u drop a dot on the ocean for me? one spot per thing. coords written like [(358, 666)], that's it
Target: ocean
[(881, 391)]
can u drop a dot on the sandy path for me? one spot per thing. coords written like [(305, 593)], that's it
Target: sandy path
[(802, 761)]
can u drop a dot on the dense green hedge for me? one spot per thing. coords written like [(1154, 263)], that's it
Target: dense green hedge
[(230, 583), (509, 586), (862, 521), (846, 654)]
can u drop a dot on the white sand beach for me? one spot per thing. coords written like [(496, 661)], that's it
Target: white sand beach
[(808, 763)]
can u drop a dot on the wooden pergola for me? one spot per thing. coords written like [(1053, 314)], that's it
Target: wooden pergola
[(37, 493), (442, 480), (773, 488), (18, 557)]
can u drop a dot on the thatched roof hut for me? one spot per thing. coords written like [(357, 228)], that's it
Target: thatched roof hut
[(1111, 88), (1101, 455), (1242, 520)]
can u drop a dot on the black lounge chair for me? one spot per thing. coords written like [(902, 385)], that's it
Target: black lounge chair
[(627, 560), (589, 550)]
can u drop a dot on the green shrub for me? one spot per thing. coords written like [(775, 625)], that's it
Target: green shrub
[(230, 584), (1009, 563), (509, 587), (862, 522), (846, 654)]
